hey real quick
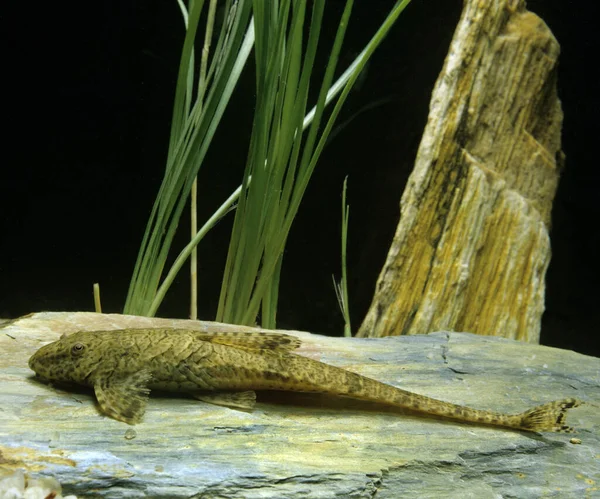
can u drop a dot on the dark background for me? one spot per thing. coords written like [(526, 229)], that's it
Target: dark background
[(88, 96)]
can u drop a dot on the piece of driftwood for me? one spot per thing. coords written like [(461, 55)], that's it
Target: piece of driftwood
[(309, 446), (471, 250)]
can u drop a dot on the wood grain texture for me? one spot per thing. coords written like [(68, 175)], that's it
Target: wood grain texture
[(306, 445), (471, 249)]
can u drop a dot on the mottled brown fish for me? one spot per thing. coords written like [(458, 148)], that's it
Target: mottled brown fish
[(225, 368)]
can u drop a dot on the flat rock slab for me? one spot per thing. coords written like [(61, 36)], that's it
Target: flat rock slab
[(310, 446)]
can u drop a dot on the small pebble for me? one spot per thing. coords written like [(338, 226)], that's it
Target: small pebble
[(130, 434), (18, 485)]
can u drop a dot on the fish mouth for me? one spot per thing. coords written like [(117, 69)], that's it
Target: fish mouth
[(32, 362), (36, 366), (39, 378)]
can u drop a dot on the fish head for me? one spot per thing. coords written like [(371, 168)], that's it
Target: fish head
[(71, 359)]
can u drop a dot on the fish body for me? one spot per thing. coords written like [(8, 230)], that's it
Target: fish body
[(225, 368)]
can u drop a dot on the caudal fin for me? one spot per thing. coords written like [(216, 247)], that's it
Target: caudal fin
[(549, 417)]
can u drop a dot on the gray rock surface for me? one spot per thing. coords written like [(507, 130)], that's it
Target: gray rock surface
[(309, 446)]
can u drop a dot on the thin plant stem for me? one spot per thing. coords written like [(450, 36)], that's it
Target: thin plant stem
[(344, 281), (97, 304), (194, 254), (194, 191)]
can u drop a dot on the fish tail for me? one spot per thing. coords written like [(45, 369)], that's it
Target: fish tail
[(336, 381), (547, 417)]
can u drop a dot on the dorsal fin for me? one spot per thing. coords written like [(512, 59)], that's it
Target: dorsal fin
[(252, 341), (275, 342)]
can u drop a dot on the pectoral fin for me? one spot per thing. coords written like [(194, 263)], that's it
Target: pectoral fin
[(123, 397), (236, 400)]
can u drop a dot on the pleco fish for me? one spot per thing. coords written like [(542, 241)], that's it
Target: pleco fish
[(225, 368)]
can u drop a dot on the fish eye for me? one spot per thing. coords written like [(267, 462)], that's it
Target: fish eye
[(77, 348)]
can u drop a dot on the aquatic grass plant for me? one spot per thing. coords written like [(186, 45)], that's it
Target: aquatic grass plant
[(196, 115), (281, 156), (341, 288)]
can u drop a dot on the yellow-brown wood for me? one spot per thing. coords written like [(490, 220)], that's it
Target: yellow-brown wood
[(471, 249)]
